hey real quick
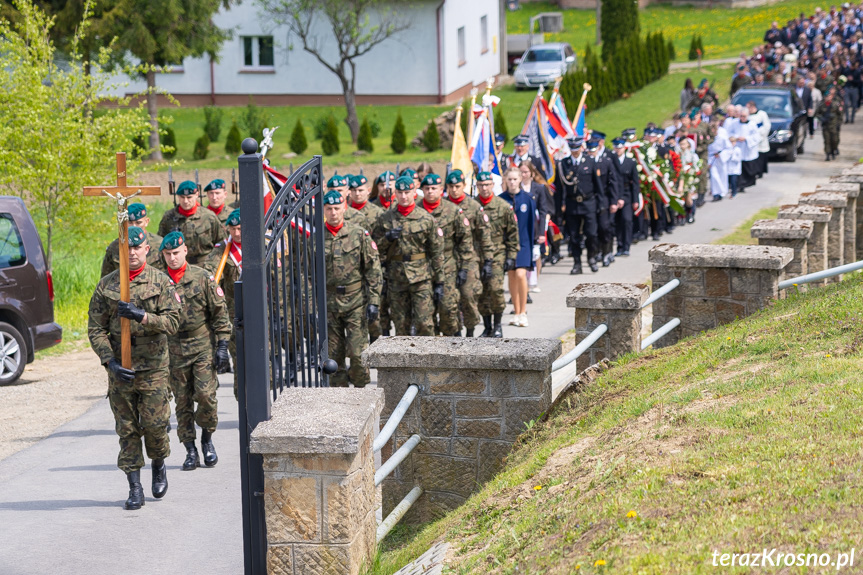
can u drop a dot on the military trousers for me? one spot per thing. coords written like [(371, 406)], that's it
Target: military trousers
[(469, 293), (491, 301), (194, 384), (382, 324), (446, 310), (347, 337), (831, 139), (141, 410), (411, 304)]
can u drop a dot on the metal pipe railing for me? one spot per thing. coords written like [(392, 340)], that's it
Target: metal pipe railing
[(822, 275), (393, 422), (580, 348), (390, 464), (661, 292), (655, 336), (398, 512)]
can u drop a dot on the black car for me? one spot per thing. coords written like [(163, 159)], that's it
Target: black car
[(787, 117)]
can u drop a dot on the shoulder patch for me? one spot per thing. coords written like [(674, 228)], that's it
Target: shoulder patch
[(440, 232), (177, 297), (212, 278), (485, 217), (523, 208), (374, 245), (366, 231), (467, 222), (219, 291)]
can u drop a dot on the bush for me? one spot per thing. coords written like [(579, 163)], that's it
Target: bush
[(701, 45), (364, 139), (672, 52), (298, 143), (234, 140), (330, 139), (500, 124), (168, 139), (254, 121), (320, 127), (431, 138), (465, 111), (376, 128), (693, 49), (399, 141), (212, 122), (619, 22), (202, 148)]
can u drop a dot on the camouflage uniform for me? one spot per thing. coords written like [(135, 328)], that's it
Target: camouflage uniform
[(472, 288), (503, 237), (414, 262), (202, 231), (704, 137), (353, 278), (381, 325), (222, 215), (141, 408), (193, 379), (111, 261), (358, 218), (230, 274), (830, 114), (371, 212)]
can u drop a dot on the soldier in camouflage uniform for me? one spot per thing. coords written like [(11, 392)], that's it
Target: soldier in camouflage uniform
[(137, 216), (216, 195), (385, 186), (202, 319), (704, 136), (353, 278), (138, 396), (412, 245), (457, 252), (829, 111), (359, 201), (201, 228), (503, 232), (472, 288), (341, 185)]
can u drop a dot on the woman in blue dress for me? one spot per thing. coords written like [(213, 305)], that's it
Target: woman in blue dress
[(524, 209)]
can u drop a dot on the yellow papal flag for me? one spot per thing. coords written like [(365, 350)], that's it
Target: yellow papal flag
[(459, 158)]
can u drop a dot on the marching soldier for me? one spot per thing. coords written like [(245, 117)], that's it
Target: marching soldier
[(138, 396), (412, 245), (359, 201), (216, 195), (471, 289), (341, 184), (578, 180), (201, 228), (628, 192), (829, 111), (503, 238), (608, 203), (353, 276), (137, 216), (704, 137), (384, 184), (193, 379)]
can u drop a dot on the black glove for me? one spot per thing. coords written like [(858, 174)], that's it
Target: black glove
[(509, 264), (120, 372), (485, 273), (372, 312), (130, 311), (437, 293), (223, 360), (393, 234), (461, 278)]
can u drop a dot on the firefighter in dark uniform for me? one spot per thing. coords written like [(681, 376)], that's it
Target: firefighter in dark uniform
[(579, 184), (607, 201), (521, 154), (628, 195)]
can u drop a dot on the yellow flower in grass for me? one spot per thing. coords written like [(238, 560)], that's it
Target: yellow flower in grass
[(632, 514), (599, 563), (537, 487)]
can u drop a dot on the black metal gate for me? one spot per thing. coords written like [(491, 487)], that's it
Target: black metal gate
[(281, 314)]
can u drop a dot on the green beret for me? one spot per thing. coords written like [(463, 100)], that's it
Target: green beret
[(409, 173), (172, 241), (357, 181), (136, 236), (455, 177), (431, 180), (136, 212), (333, 198), (215, 185), (337, 181), (484, 177), (186, 188), (233, 218), (404, 183), (385, 177)]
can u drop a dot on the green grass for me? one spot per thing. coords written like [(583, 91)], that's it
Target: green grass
[(741, 439), (741, 235)]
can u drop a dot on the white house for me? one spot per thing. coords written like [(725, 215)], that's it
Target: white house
[(450, 47)]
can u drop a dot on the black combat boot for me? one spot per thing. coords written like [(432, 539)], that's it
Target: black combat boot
[(193, 461), (576, 269), (468, 332), (592, 263), (210, 457), (136, 492), (160, 478), (486, 320), (385, 333), (498, 330), (168, 427)]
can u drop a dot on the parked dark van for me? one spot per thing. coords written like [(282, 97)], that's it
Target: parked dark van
[(26, 292)]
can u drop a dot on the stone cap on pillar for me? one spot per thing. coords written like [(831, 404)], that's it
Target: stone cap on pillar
[(805, 212), (713, 256), (832, 199), (462, 353), (318, 420), (782, 229), (848, 178), (851, 189), (857, 170), (608, 296)]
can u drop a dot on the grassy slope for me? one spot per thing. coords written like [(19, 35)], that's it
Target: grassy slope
[(741, 236), (743, 438)]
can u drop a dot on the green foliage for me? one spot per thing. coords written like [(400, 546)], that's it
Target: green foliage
[(254, 121), (619, 23), (399, 142), (364, 139), (465, 113), (330, 140), (202, 147), (168, 141), (298, 143), (320, 126), (234, 140), (431, 137), (672, 52), (701, 45), (212, 122), (693, 48), (500, 123), (376, 127)]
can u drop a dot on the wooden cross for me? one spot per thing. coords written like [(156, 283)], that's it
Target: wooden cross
[(122, 194)]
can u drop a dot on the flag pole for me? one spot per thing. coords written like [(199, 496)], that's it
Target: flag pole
[(580, 108), (488, 84), (532, 110), (471, 122), (556, 94)]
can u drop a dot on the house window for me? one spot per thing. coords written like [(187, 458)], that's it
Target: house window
[(483, 34), (258, 52), (461, 49)]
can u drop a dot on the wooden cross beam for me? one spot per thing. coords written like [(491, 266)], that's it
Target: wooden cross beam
[(121, 193)]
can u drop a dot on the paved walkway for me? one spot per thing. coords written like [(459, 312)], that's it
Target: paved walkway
[(694, 63), (61, 499)]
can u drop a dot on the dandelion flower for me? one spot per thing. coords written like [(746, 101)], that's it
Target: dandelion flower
[(537, 487), (599, 563), (632, 514), (828, 355)]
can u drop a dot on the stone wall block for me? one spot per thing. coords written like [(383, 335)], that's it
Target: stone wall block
[(457, 382), (293, 509), (280, 559), (481, 428), (517, 412), (478, 408), (717, 282), (436, 416), (450, 474), (492, 455)]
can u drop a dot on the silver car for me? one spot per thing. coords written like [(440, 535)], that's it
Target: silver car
[(542, 64)]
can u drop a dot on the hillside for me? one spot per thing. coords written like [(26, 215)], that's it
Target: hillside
[(745, 438)]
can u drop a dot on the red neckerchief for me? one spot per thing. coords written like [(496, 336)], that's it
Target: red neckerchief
[(358, 206), (485, 201), (406, 210), (430, 207), (457, 201), (216, 211), (189, 213), (178, 273), (334, 230), (135, 273), (385, 203)]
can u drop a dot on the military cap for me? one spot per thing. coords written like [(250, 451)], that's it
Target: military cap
[(187, 188), (520, 140), (333, 198), (385, 177), (431, 180), (136, 236), (234, 217), (357, 181), (215, 185), (618, 142), (499, 138), (337, 181), (455, 177), (404, 183), (409, 173), (592, 144), (484, 177), (575, 143), (595, 134), (172, 241), (136, 212)]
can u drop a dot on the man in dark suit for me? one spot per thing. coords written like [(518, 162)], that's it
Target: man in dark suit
[(607, 204), (805, 95), (521, 154), (579, 185), (628, 195)]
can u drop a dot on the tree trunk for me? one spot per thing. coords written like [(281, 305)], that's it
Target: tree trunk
[(350, 103), (153, 111)]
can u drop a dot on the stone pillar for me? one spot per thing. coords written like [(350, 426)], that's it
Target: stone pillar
[(319, 487), (816, 247), (792, 234), (618, 306), (835, 227), (851, 191), (854, 179), (718, 284), (476, 394)]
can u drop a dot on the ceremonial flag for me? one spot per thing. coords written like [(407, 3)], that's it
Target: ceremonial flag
[(555, 131), (538, 146), (579, 128), (482, 147), (559, 110), (273, 182), (459, 157)]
